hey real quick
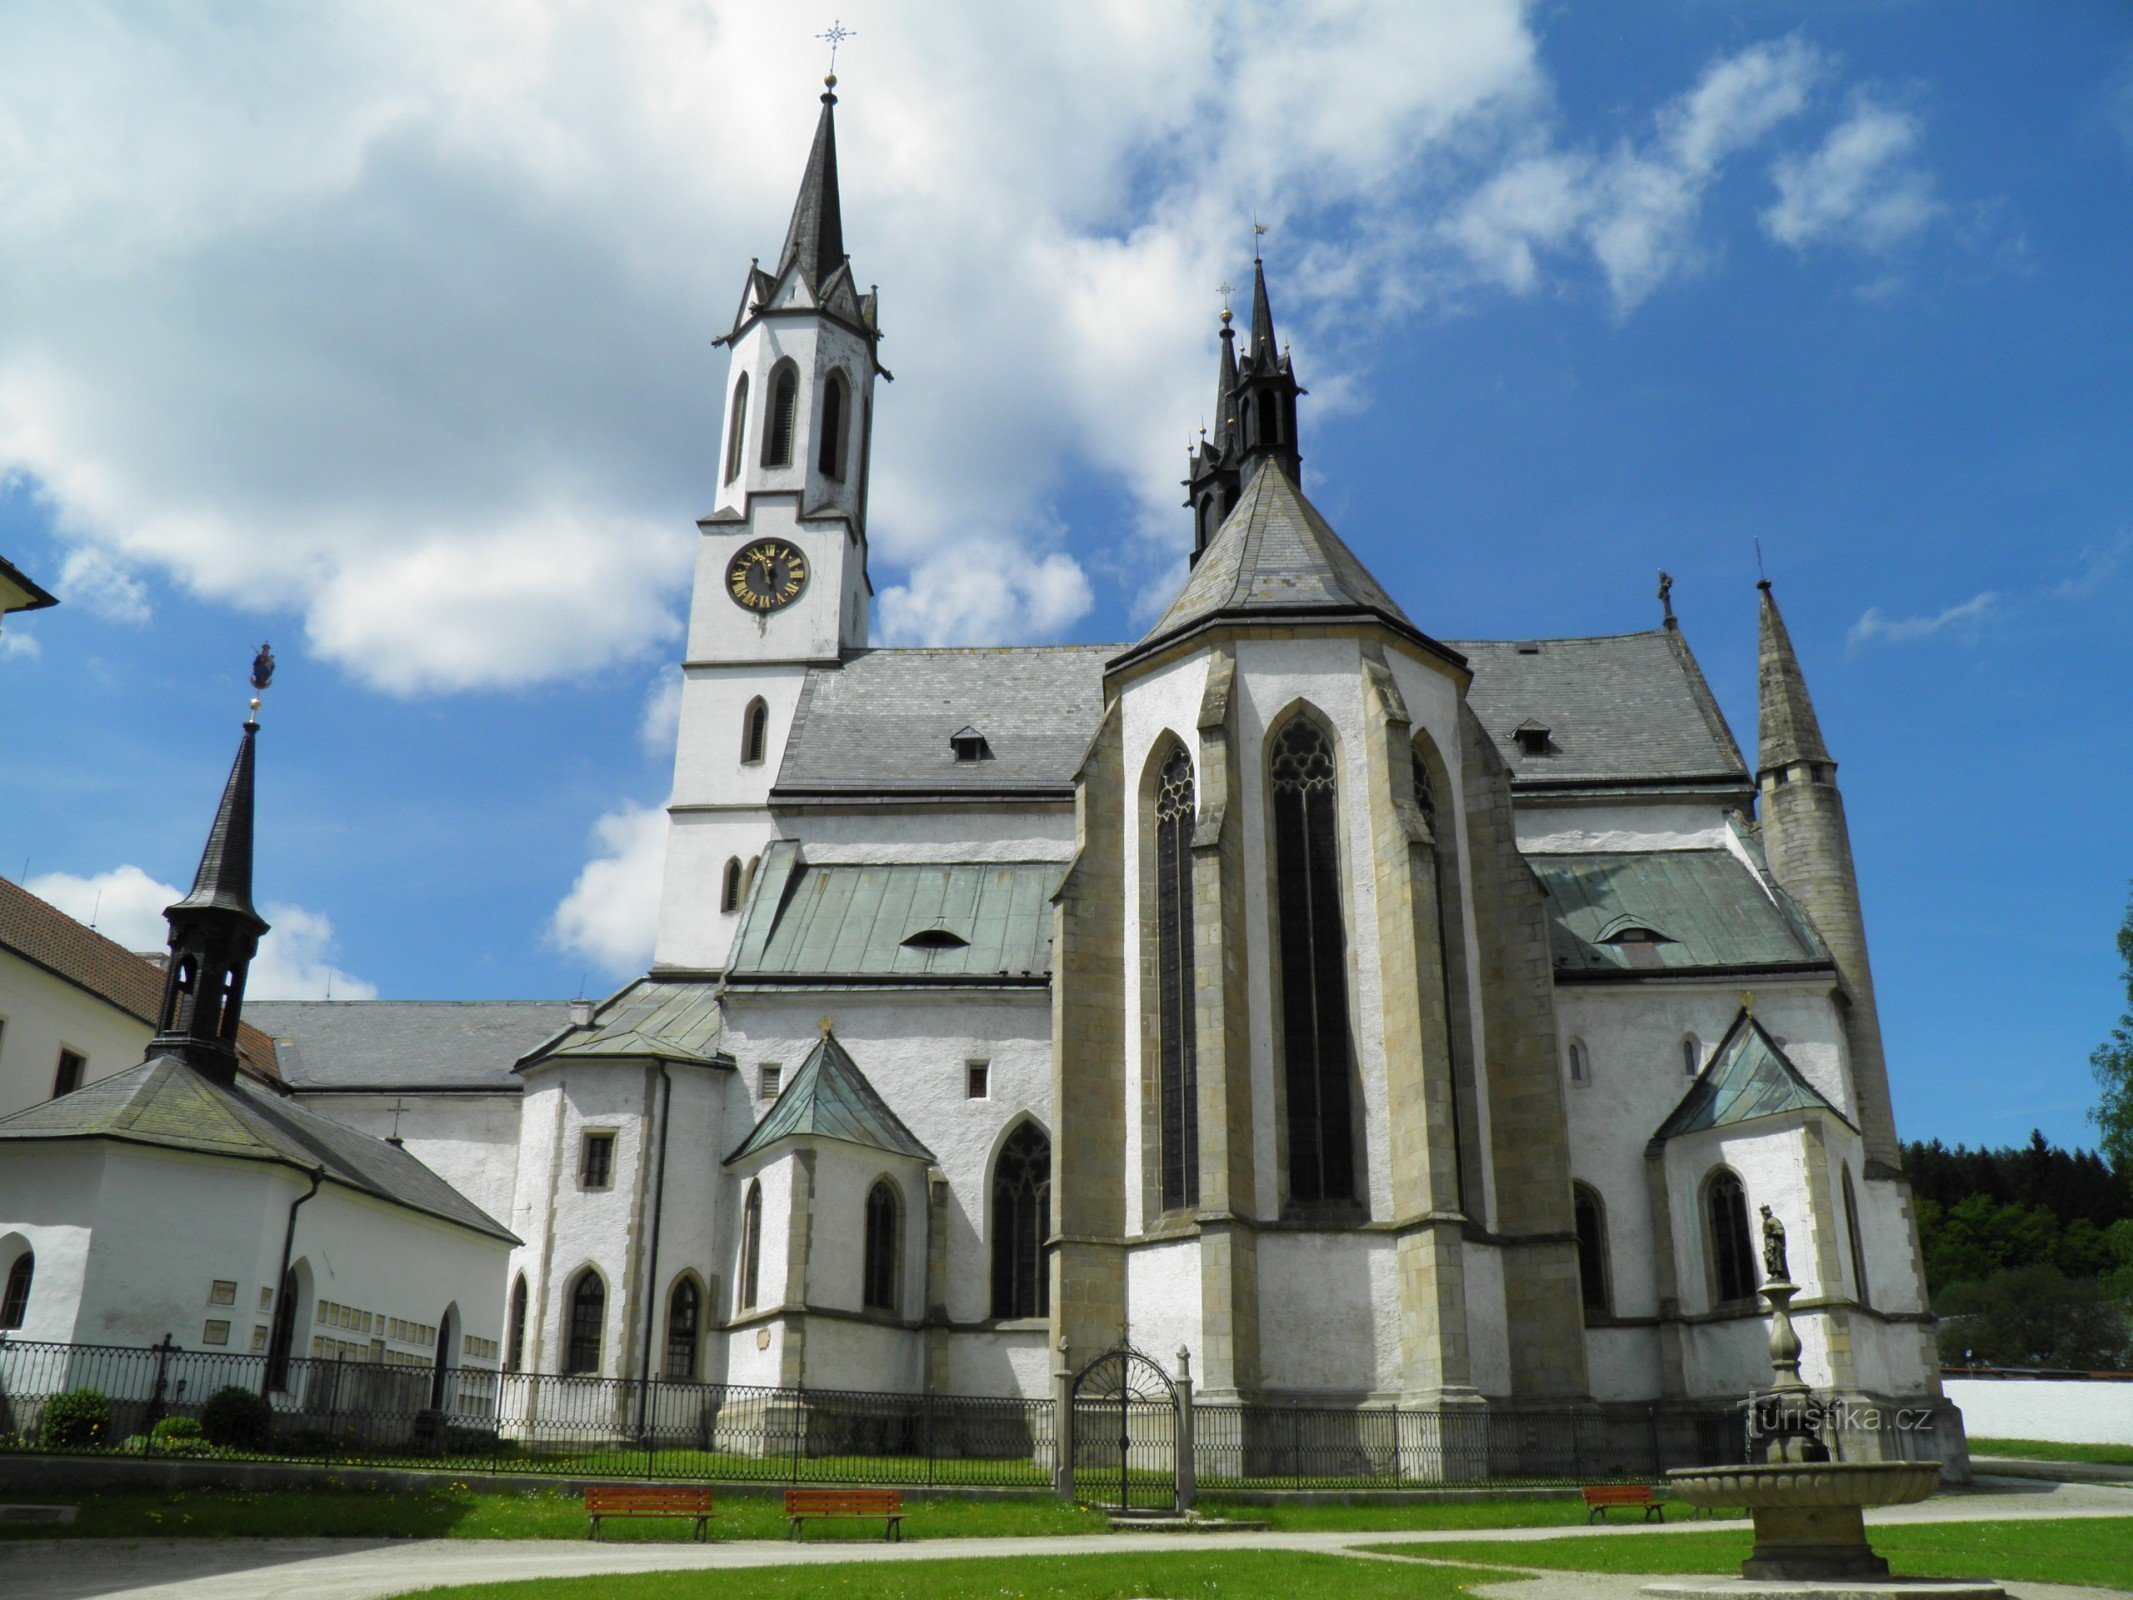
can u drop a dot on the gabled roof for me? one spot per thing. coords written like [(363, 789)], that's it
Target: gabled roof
[(1748, 1076), (167, 1103), (348, 1046), (43, 934), (879, 724), (1275, 556), (1713, 910), (852, 923), (19, 591), (830, 1098), (653, 1018)]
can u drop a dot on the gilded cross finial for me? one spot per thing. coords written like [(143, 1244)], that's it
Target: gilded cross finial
[(834, 35)]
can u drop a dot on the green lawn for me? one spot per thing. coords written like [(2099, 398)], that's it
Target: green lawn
[(2095, 1551), (1271, 1575), (2106, 1455), (454, 1513)]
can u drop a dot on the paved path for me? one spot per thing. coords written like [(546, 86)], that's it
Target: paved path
[(358, 1569)]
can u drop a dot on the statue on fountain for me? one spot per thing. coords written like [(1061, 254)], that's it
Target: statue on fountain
[(1774, 1267)]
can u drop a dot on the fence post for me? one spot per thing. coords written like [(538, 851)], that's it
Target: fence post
[(1062, 1422), (926, 1425), (799, 1403), (648, 1392), (1186, 1474), (333, 1407)]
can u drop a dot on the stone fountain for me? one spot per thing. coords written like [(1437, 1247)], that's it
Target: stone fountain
[(1810, 1531)]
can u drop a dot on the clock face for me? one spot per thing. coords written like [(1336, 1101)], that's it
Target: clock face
[(767, 576)]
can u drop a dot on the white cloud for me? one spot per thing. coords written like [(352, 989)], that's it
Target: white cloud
[(126, 905), (1873, 625), (93, 580), (660, 725), (1861, 188), (612, 912), (14, 643), (985, 594)]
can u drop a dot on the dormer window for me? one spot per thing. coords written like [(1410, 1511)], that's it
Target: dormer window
[(1638, 942), (1529, 647), (969, 745), (1532, 738), (935, 939)]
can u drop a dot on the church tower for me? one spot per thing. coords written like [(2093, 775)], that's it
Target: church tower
[(781, 570), (1810, 851)]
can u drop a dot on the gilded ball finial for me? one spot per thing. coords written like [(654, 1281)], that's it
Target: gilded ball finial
[(829, 80), (1226, 318)]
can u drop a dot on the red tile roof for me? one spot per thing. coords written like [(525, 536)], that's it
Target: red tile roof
[(42, 933)]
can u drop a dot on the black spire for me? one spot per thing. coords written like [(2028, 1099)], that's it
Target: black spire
[(816, 237), (1213, 483), (214, 933), (1262, 316), (1266, 392)]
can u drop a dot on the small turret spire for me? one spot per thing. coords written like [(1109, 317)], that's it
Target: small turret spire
[(815, 237), (1787, 729), (1262, 346), (1266, 393)]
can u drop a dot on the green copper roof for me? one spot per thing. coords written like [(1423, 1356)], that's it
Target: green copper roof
[(667, 1019), (1709, 907), (167, 1103), (1748, 1077), (944, 922), (830, 1098)]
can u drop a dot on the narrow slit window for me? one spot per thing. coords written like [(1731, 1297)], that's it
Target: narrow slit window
[(829, 457), (751, 1245), (737, 428)]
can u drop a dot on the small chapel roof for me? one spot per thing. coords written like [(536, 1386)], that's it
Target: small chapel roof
[(652, 1018), (1709, 908), (400, 1046), (167, 1103), (1748, 1076), (830, 1098)]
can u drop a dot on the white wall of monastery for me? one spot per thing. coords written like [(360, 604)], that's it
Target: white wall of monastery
[(471, 1141), (42, 1014)]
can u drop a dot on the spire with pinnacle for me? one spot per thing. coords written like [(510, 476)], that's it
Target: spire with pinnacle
[(815, 238), (215, 929), (1787, 729), (1266, 393), (1212, 481)]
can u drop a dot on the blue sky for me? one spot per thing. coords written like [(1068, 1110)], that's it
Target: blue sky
[(389, 340)]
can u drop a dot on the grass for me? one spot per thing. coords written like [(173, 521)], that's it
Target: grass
[(1268, 1575), (2100, 1455), (2096, 1551), (449, 1512)]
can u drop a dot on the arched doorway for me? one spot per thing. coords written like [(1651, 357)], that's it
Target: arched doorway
[(1125, 1432)]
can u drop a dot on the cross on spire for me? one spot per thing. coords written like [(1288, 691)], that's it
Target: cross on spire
[(834, 35)]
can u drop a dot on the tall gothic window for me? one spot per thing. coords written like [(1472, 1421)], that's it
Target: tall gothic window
[(784, 409), (1314, 966), (1732, 1249), (15, 1300), (1021, 1211), (684, 1312), (751, 1245), (737, 428), (1851, 1234), (755, 732), (1176, 1022), (829, 458), (587, 1312), (878, 1289), (729, 888), (515, 1330), (1592, 1248)]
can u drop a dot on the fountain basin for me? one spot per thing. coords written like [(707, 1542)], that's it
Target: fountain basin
[(1807, 1513)]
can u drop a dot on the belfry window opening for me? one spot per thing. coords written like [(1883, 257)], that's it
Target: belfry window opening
[(829, 457), (783, 415)]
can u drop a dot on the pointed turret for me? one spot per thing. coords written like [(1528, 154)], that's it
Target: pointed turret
[(1266, 391), (1262, 346), (1212, 482), (1809, 847), (214, 933), (815, 237)]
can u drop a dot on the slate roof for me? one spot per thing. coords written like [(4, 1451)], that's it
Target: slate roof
[(165, 1102), (45, 935), (850, 923), (1748, 1076), (398, 1045), (1713, 910), (880, 723), (652, 1018), (1628, 708), (830, 1098), (1275, 555), (1786, 725)]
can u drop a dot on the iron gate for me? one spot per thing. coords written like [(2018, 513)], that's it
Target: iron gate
[(1125, 1432)]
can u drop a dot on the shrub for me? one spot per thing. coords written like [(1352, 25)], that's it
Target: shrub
[(237, 1419), (74, 1419), (175, 1428)]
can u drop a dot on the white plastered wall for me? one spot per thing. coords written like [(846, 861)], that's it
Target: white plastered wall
[(471, 1141), (42, 1014)]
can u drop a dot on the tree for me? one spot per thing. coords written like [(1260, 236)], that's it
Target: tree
[(2033, 1316), (2113, 1062)]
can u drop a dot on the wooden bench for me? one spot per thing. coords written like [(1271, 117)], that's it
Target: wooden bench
[(803, 1506), (647, 1500), (1601, 1498)]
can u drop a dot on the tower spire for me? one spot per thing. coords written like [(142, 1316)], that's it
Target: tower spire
[(1262, 340), (1266, 393), (815, 237), (1787, 729), (1213, 483)]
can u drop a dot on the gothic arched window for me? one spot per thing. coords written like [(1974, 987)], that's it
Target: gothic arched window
[(1314, 966), (784, 409), (587, 1313), (15, 1299), (1732, 1249), (878, 1288), (684, 1314), (1851, 1233), (729, 889), (1593, 1285), (1691, 1054), (1021, 1212), (1176, 1023), (737, 428), (515, 1329), (751, 1245), (829, 458), (755, 732)]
